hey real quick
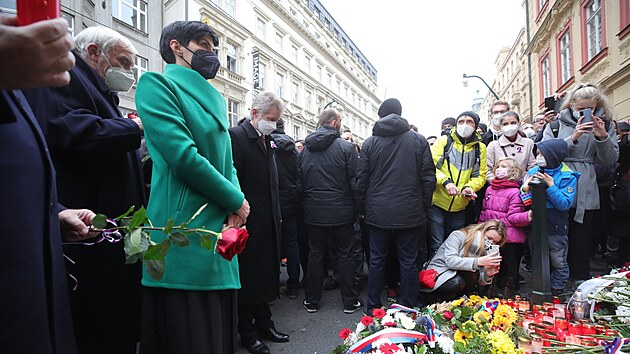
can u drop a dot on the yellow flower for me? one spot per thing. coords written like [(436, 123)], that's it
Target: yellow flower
[(501, 343), (501, 322), (458, 302), (482, 316), (461, 336), (474, 299), (506, 312)]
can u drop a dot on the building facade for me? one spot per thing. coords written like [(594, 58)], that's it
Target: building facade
[(581, 41), (512, 82), (293, 48)]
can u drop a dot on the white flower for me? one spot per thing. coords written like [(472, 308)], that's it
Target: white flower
[(360, 327), (387, 318), (407, 322), (446, 344)]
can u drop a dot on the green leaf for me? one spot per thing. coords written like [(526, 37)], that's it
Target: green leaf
[(197, 213), (138, 218), (457, 313), (133, 258), (133, 242), (155, 268), (125, 214), (206, 241), (99, 221), (168, 227), (157, 252), (179, 239)]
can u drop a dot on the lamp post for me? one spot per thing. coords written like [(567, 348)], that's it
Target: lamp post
[(332, 104), (482, 80)]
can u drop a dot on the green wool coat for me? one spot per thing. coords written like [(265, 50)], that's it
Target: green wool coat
[(186, 128)]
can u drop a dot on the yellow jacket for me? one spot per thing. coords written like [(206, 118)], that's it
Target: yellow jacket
[(458, 166)]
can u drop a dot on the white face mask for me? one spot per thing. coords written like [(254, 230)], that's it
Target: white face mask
[(118, 79), (540, 161), (529, 132), (501, 172), (266, 127), (496, 120), (465, 130), (509, 130)]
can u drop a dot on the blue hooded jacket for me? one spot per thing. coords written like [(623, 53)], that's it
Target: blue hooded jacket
[(559, 196)]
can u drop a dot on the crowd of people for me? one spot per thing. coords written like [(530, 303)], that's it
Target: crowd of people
[(454, 205)]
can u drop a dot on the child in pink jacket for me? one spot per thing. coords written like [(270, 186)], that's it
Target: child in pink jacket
[(502, 201)]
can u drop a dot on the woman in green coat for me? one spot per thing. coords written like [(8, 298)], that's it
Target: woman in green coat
[(192, 309)]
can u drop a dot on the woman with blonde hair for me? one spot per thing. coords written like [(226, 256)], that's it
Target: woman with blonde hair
[(465, 260), (582, 124)]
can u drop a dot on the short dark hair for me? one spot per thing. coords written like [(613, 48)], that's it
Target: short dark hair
[(328, 116), (184, 32), (432, 137)]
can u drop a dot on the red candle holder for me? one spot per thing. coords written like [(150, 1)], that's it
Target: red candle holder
[(589, 329), (575, 328), (561, 323)]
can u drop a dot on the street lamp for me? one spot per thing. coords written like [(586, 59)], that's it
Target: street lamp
[(332, 104), (482, 80)]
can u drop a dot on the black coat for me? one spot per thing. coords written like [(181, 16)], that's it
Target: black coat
[(94, 152), (34, 308), (259, 264), (397, 175), (286, 159), (327, 168)]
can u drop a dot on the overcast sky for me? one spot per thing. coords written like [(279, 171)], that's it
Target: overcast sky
[(450, 38)]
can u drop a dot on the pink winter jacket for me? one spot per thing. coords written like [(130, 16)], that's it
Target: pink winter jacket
[(502, 202)]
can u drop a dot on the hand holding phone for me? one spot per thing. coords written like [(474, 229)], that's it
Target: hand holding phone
[(550, 103), (494, 249), (587, 117)]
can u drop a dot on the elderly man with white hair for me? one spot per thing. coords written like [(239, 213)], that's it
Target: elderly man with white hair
[(93, 148)]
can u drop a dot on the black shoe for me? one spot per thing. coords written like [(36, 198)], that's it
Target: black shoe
[(354, 308), (310, 307), (257, 347), (331, 284), (521, 279), (290, 293), (273, 335)]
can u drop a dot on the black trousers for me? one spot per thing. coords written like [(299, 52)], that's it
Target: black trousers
[(580, 241), (463, 282), (251, 318), (341, 237), (511, 254)]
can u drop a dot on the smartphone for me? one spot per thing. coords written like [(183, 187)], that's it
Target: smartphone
[(494, 249), (587, 116), (550, 104), (31, 11)]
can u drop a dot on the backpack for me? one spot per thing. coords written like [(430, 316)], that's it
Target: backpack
[(447, 150)]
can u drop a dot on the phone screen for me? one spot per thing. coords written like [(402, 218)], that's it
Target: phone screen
[(587, 115), (550, 103)]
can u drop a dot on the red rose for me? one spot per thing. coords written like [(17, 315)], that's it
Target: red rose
[(388, 348), (378, 313), (628, 275), (367, 320), (344, 333), (232, 242), (448, 315)]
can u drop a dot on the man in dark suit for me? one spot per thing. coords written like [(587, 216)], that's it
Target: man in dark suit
[(93, 148), (259, 264), (34, 308)]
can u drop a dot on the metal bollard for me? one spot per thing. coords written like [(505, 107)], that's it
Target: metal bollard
[(539, 242)]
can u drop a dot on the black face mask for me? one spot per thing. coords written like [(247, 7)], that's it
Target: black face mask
[(205, 62)]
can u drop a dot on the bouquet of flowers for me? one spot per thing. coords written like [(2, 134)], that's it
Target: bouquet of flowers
[(478, 325)]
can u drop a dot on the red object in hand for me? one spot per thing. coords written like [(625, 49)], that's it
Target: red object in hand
[(232, 242), (31, 11)]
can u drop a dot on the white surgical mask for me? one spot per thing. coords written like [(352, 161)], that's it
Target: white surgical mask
[(487, 244), (540, 161), (118, 79), (529, 132), (465, 130), (509, 130), (496, 119), (266, 127)]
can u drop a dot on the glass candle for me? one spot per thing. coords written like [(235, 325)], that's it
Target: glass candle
[(611, 333), (589, 329), (556, 300), (548, 325), (575, 328), (525, 344), (561, 323), (547, 305), (600, 328), (572, 339), (536, 343), (523, 305)]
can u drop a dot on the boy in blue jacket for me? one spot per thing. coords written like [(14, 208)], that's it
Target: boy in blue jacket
[(561, 184)]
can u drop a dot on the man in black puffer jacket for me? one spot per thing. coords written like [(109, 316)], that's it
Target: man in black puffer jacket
[(395, 182), (327, 169), (286, 160)]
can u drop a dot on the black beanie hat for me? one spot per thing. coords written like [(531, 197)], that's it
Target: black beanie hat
[(389, 106), (449, 120), (472, 115)]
